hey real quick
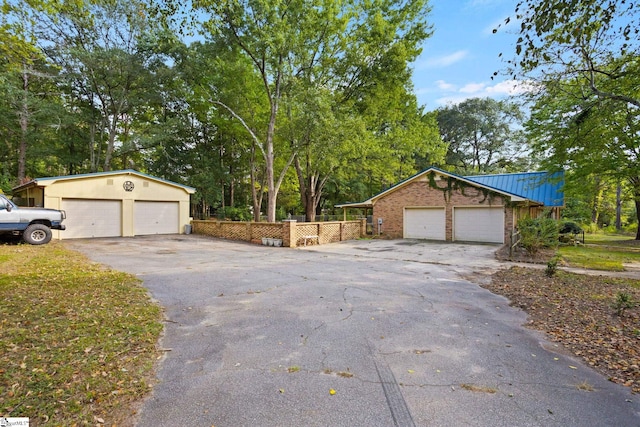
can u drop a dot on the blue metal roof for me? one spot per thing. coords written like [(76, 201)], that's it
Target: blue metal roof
[(541, 187)]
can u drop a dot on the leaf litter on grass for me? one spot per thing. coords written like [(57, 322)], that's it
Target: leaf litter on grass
[(77, 341)]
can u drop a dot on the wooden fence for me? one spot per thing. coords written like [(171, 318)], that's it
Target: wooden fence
[(286, 233)]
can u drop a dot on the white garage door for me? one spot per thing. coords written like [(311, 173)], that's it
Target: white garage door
[(156, 218), (92, 218), (424, 223), (478, 225)]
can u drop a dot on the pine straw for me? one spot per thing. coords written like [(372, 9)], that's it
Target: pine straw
[(578, 312)]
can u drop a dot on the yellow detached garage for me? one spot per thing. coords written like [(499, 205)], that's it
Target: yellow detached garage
[(109, 204)]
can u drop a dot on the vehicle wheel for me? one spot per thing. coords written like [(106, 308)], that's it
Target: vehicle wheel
[(37, 234)]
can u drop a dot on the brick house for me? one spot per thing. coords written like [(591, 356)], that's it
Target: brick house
[(438, 205)]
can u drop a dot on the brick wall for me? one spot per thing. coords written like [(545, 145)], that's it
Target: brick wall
[(419, 193), (291, 233)]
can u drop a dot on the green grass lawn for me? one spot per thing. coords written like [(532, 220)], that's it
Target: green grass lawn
[(77, 341), (608, 239), (602, 252)]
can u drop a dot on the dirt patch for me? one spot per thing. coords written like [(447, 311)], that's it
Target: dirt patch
[(578, 311)]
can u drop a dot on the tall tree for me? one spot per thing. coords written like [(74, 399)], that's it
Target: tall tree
[(96, 46), (18, 44), (582, 58), (346, 40), (483, 134)]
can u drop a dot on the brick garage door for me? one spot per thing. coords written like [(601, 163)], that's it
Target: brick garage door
[(478, 224), (424, 223)]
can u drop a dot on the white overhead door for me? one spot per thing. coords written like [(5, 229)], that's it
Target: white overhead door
[(156, 218), (424, 223), (92, 218), (478, 224)]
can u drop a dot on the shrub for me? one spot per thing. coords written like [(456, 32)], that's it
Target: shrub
[(538, 233), (590, 228), (622, 303), (570, 227), (235, 214), (552, 267)]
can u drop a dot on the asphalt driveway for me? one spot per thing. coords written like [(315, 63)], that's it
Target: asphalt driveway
[(259, 336)]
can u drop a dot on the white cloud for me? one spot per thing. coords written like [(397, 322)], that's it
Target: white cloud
[(472, 88), (451, 95), (442, 85), (510, 87), (483, 3), (444, 61), (451, 100)]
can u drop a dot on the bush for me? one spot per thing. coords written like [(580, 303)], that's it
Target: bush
[(570, 227), (234, 214), (622, 303), (590, 228), (552, 267), (538, 233)]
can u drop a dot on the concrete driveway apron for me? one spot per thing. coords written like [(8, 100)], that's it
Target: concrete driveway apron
[(259, 336)]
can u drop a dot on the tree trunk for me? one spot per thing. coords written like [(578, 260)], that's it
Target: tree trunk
[(311, 188), (272, 195), (619, 207), (637, 197), (597, 198), (110, 146), (635, 185), (24, 124), (257, 201), (306, 192), (232, 192)]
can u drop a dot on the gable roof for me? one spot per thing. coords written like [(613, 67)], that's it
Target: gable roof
[(43, 182), (370, 202), (543, 187)]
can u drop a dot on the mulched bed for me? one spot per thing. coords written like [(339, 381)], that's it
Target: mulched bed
[(577, 311)]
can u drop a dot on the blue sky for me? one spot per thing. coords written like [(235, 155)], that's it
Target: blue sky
[(458, 61)]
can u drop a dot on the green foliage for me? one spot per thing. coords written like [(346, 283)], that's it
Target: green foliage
[(552, 267), (483, 136), (538, 233), (582, 58), (115, 89), (623, 302), (234, 214), (569, 227)]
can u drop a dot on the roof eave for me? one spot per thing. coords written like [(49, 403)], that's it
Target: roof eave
[(365, 204), (43, 182)]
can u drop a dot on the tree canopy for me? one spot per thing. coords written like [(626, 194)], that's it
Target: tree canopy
[(483, 136), (271, 96), (582, 61)]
